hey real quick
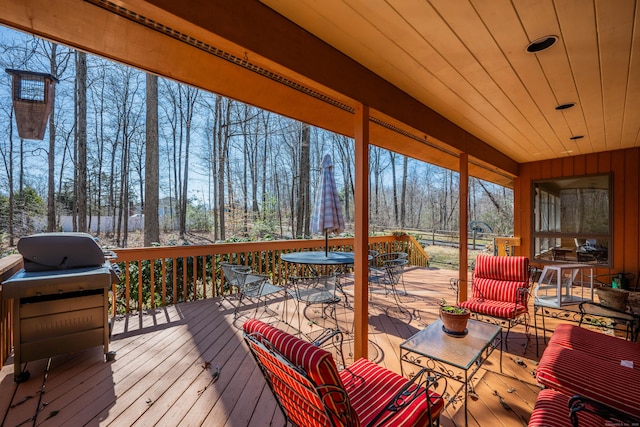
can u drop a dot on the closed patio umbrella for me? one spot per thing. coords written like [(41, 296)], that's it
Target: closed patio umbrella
[(327, 210)]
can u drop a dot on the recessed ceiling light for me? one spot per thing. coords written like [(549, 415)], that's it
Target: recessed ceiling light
[(577, 137), (541, 44), (565, 106)]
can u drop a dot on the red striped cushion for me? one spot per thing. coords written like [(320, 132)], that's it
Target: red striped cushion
[(510, 268), (505, 310), (496, 290), (576, 373), (552, 410), (316, 362), (294, 392), (596, 344), (370, 387)]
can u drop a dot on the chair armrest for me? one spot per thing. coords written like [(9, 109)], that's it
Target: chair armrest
[(417, 387), (579, 404), (522, 296), (240, 269)]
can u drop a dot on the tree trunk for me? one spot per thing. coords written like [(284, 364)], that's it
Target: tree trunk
[(403, 194), (222, 141), (191, 96), (81, 140), (302, 211), (11, 195), (215, 141), (396, 215), (152, 160), (185, 181), (51, 193)]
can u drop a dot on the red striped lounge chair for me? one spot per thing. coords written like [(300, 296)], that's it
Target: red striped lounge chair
[(311, 392)]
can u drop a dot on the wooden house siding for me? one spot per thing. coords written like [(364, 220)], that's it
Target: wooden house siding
[(623, 165)]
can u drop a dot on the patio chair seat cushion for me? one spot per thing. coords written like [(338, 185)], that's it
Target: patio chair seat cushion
[(316, 362), (596, 344), (574, 372), (495, 308), (552, 410), (369, 386)]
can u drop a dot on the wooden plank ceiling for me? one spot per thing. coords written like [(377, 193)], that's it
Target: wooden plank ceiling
[(441, 77), (467, 60)]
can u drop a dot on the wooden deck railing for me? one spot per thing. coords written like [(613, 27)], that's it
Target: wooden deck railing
[(159, 276), (188, 273)]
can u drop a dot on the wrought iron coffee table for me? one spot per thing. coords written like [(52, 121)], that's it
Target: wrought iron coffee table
[(434, 349)]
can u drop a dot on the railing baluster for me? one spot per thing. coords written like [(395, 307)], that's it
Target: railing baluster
[(164, 281), (152, 278), (175, 280), (185, 271), (140, 298), (194, 278), (127, 287)]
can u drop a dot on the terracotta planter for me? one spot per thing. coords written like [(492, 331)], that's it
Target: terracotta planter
[(454, 324)]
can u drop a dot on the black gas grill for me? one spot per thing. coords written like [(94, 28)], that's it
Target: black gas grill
[(60, 298)]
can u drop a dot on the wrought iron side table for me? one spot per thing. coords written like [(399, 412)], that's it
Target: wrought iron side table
[(434, 349)]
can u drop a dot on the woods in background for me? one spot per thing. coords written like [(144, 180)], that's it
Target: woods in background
[(122, 143)]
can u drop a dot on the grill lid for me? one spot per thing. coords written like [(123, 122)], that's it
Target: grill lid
[(59, 251)]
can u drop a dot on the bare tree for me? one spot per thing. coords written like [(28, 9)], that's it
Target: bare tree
[(223, 108), (57, 66), (81, 140), (125, 85), (152, 159), (403, 191), (303, 203)]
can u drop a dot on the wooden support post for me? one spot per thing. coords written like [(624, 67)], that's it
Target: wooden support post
[(464, 226), (361, 233)]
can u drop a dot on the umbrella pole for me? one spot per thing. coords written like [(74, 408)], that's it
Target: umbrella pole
[(326, 244)]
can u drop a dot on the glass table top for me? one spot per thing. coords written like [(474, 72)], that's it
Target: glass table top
[(319, 257), (460, 352)]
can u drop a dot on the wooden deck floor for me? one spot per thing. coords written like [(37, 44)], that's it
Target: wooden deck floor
[(165, 362)]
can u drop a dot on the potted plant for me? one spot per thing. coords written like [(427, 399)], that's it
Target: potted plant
[(454, 319)]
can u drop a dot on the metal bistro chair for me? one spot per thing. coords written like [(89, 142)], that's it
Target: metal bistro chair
[(390, 256), (253, 286), (389, 276), (381, 259), (317, 290), (231, 279)]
